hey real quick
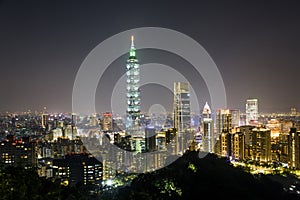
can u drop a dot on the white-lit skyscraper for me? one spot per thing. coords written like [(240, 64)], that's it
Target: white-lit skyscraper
[(182, 114), (251, 111), (207, 129)]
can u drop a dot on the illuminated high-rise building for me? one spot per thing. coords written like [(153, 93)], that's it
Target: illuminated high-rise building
[(223, 121), (93, 120), (207, 129), (18, 152), (133, 112), (223, 132), (237, 144), (251, 111), (246, 130), (45, 119), (182, 116), (79, 168), (294, 148), (73, 125), (293, 111), (150, 139), (235, 115), (261, 144), (107, 121)]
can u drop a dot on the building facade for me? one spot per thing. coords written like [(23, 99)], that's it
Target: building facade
[(182, 116), (133, 112), (261, 144), (294, 148), (207, 129), (251, 111)]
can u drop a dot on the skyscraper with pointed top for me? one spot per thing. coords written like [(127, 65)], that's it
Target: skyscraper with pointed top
[(207, 129), (133, 126)]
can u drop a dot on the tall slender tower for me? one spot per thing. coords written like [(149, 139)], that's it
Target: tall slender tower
[(133, 126), (182, 115)]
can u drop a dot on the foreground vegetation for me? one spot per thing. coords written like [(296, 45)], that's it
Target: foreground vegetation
[(189, 177), (25, 184)]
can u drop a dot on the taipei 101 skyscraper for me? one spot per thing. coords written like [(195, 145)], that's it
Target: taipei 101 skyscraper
[(133, 112)]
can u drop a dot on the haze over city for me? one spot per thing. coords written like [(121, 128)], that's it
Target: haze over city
[(149, 99), (255, 45)]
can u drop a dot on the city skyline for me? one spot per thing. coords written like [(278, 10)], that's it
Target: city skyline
[(41, 50), (149, 100)]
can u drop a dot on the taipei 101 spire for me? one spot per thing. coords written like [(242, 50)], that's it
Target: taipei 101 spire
[(133, 125)]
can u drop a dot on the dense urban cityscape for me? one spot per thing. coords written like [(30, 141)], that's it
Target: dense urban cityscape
[(149, 100), (103, 152)]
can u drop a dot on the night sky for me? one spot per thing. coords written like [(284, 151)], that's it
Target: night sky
[(255, 45)]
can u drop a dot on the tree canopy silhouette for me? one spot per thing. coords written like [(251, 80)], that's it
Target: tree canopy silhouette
[(191, 177)]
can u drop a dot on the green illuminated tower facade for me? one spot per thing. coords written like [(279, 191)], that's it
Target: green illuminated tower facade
[(133, 126)]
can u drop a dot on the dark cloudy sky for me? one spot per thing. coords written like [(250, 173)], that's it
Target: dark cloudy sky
[(255, 45)]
